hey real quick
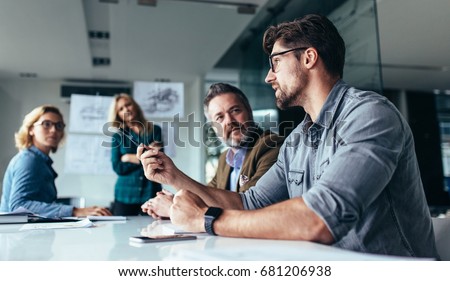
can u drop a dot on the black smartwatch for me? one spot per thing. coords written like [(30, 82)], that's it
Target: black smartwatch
[(210, 216)]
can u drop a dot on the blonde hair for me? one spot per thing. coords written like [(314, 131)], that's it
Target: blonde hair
[(22, 137), (116, 120)]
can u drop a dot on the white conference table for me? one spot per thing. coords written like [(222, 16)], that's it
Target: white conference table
[(109, 240)]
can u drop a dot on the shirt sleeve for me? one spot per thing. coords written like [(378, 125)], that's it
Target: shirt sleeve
[(27, 188), (121, 168), (270, 188), (371, 140)]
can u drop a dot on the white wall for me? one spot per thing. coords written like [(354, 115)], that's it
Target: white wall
[(20, 96), (190, 159)]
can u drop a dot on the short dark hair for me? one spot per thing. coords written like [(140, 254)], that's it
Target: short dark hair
[(218, 89), (315, 31)]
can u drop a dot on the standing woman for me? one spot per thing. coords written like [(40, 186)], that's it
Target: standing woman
[(29, 180), (132, 188)]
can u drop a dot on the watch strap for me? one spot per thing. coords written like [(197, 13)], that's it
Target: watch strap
[(210, 216)]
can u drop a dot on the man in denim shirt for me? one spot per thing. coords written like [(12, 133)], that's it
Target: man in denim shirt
[(346, 176)]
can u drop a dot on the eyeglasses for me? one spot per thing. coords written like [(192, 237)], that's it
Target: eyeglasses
[(274, 64), (47, 124)]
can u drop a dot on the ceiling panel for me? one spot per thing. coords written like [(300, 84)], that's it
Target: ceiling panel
[(415, 43), (175, 40), (180, 40), (47, 37)]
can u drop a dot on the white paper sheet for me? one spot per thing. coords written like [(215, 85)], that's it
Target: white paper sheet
[(58, 225)]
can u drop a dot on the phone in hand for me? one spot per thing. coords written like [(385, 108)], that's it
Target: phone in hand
[(161, 238)]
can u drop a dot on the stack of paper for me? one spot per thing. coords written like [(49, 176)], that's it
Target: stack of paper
[(13, 218), (18, 216)]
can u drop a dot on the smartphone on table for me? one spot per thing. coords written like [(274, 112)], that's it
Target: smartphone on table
[(161, 238)]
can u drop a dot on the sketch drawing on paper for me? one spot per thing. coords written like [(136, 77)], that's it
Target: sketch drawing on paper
[(88, 113), (93, 113), (159, 99)]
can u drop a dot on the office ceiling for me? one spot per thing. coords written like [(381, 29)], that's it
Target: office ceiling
[(415, 44), (175, 40), (179, 40)]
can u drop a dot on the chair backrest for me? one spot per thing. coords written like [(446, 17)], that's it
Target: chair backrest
[(442, 235), (78, 202)]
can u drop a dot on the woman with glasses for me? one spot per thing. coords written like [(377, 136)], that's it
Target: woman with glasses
[(132, 188), (29, 180)]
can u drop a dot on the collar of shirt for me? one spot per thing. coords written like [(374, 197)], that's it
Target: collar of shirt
[(41, 154), (235, 160), (326, 115), (44, 156)]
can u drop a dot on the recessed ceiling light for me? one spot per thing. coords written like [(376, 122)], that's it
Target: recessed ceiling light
[(28, 75), (109, 1), (147, 2)]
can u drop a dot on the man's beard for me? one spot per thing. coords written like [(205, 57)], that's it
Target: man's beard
[(293, 96), (247, 136), (285, 101), (231, 142)]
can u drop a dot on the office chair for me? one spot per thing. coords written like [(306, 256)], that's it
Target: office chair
[(442, 235)]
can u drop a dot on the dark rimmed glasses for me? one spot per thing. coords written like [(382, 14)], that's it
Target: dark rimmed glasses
[(47, 124), (274, 65)]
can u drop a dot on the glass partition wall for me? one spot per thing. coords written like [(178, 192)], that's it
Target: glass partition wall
[(356, 20)]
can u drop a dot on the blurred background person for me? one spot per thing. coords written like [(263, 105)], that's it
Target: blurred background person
[(29, 180), (132, 188)]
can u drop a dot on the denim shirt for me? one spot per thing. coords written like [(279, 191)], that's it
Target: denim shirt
[(356, 168), (29, 182)]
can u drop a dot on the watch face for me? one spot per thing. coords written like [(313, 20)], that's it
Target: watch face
[(213, 212)]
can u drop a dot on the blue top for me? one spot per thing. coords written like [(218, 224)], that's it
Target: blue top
[(132, 187), (356, 168), (29, 182), (235, 161)]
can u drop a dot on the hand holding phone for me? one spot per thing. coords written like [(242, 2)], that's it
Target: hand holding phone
[(161, 238)]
